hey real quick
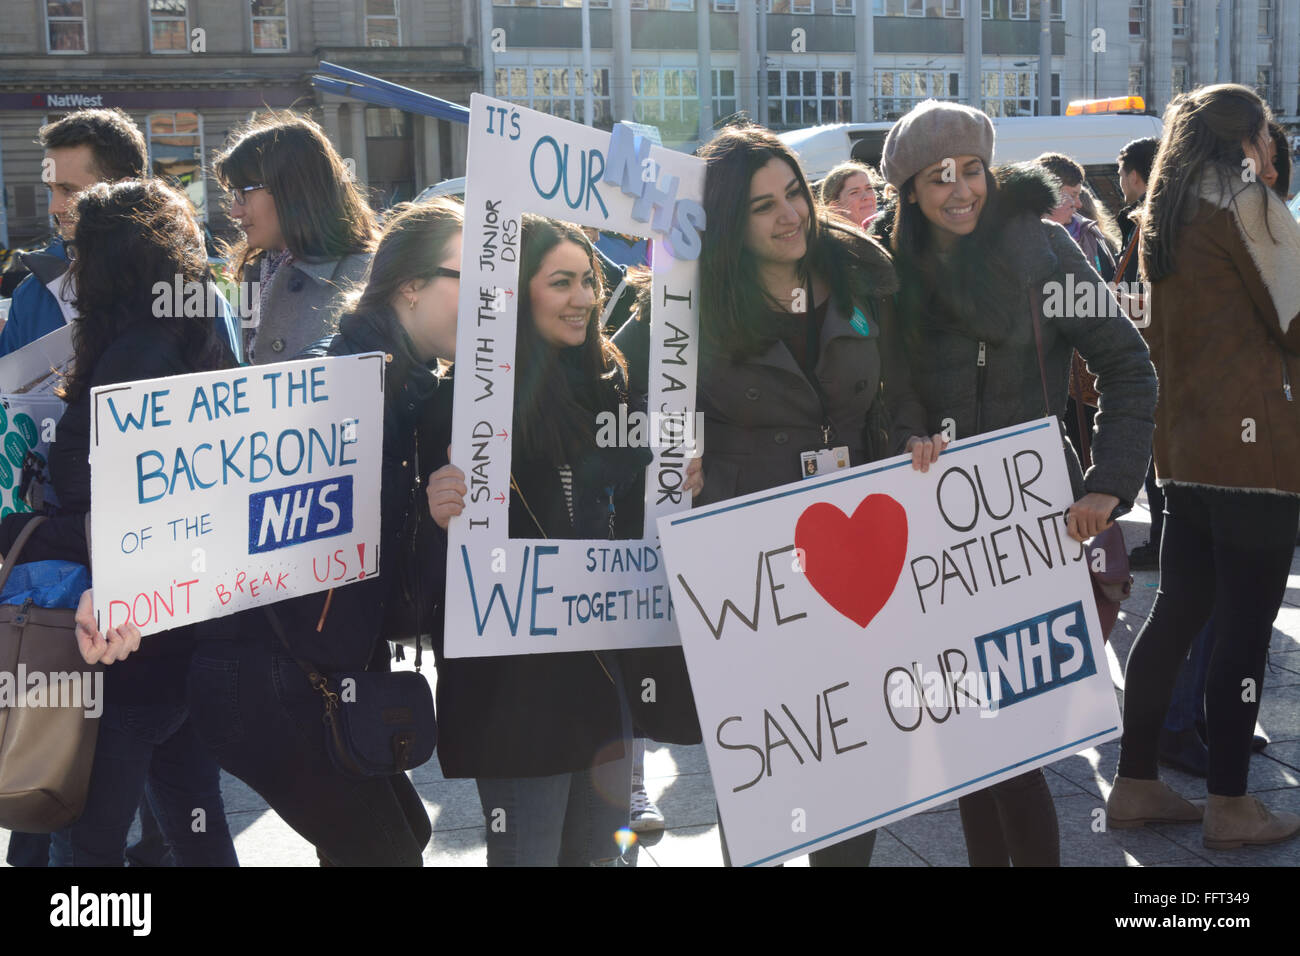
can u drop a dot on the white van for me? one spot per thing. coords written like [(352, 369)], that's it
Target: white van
[(1094, 141)]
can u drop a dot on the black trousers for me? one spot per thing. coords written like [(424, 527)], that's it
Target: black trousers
[(1225, 553), (1012, 823)]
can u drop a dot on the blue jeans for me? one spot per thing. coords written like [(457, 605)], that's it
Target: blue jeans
[(262, 719), (1187, 706), (569, 819), (149, 750)]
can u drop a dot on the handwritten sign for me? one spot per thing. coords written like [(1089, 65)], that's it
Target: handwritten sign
[(220, 491), (866, 646), (514, 596)]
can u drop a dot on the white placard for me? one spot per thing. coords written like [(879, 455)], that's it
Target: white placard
[(220, 491), (867, 646), (517, 596), (31, 369)]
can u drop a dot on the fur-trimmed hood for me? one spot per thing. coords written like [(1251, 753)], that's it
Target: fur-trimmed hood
[(976, 289)]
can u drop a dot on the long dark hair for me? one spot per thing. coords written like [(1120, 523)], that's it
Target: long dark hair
[(413, 243), (130, 236), (1203, 134), (553, 423), (733, 300), (1283, 160), (321, 211)]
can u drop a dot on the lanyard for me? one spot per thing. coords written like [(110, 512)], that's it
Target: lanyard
[(812, 331)]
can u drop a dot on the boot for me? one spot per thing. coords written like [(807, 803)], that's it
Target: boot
[(1231, 822), (1134, 803)]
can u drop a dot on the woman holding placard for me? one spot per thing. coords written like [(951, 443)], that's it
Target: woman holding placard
[(548, 736), (798, 368), (130, 236), (972, 254)]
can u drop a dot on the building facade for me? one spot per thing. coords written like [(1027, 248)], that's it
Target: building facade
[(191, 71), (870, 60)]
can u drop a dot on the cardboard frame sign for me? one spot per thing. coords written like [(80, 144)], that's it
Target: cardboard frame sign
[(525, 596), (220, 491), (866, 646)]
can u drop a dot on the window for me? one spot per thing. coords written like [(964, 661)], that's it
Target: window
[(1058, 10), (914, 8), (1180, 17), (603, 4), (652, 4), (1136, 81), (1019, 9), (1264, 83), (383, 23), (724, 94), (897, 91), (169, 26), (1265, 18), (954, 8), (986, 9), (809, 97), (724, 6), (270, 25), (789, 6), (1015, 93), (1178, 79), (669, 98), (556, 90), (176, 155), (65, 26), (843, 8), (1137, 18)]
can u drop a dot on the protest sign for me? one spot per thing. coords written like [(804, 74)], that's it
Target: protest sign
[(35, 368), (522, 596), (866, 646), (29, 413), (220, 491)]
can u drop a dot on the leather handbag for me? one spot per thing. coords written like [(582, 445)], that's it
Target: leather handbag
[(1113, 583), (377, 723), (46, 752)]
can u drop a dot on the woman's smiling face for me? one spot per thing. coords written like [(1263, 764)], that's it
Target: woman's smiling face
[(776, 231), (562, 295), (951, 194)]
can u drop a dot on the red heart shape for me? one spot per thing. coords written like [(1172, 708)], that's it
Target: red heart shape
[(854, 563)]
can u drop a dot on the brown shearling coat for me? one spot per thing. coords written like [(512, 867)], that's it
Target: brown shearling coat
[(1225, 339)]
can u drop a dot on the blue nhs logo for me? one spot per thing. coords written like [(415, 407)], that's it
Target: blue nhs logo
[(1033, 656)]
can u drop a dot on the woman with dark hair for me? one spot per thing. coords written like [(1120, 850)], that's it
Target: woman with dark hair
[(129, 236), (265, 725), (974, 256), (1277, 175), (796, 340), (1220, 251), (307, 232), (548, 737)]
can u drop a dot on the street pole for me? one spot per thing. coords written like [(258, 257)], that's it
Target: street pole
[(704, 69), (1044, 58), (587, 105), (762, 62)]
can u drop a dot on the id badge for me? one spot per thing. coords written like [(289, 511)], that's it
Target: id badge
[(823, 461)]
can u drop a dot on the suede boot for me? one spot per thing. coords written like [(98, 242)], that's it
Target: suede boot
[(1231, 822), (1134, 803)]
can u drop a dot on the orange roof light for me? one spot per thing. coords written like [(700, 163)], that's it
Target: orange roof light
[(1115, 104)]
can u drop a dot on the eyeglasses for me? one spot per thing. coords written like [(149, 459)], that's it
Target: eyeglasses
[(239, 195), (449, 273)]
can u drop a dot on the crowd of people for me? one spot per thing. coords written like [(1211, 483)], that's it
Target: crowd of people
[(884, 312)]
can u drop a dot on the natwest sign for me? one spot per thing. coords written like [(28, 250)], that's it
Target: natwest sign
[(72, 100)]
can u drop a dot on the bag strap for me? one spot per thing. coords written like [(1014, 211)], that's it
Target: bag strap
[(319, 682), (11, 560), (1133, 241)]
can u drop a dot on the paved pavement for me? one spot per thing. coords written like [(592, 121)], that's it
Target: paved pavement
[(678, 780)]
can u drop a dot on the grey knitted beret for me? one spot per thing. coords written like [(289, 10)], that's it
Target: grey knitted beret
[(932, 131)]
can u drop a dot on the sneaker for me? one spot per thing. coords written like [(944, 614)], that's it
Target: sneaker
[(645, 815), (1145, 557)]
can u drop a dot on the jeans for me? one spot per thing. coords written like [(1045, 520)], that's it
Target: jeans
[(28, 849), (148, 750), (1227, 554), (568, 819), (1011, 823), (262, 719)]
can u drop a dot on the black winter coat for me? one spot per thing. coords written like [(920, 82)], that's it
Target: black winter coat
[(534, 715)]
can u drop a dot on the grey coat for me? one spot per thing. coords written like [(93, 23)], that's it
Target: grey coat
[(948, 326), (302, 306)]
